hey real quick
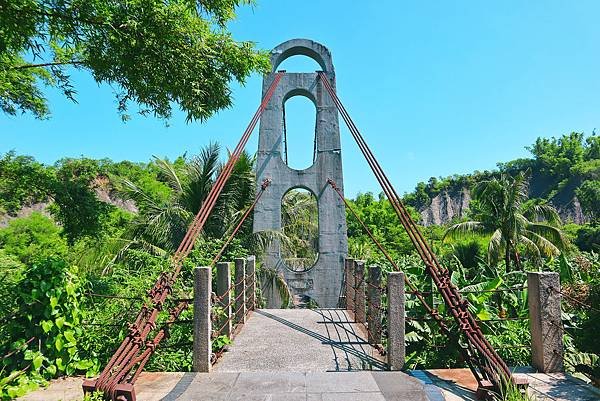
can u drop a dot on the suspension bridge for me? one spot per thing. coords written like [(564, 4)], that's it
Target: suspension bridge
[(291, 354)]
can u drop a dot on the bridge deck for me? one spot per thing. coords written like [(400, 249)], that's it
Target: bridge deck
[(300, 340)]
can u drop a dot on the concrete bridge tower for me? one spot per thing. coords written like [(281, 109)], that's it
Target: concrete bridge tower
[(321, 282)]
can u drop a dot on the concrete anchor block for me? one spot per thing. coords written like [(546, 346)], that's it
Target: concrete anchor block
[(396, 348), (349, 271), (360, 296), (251, 282), (545, 321), (240, 290), (374, 305), (202, 322), (224, 292)]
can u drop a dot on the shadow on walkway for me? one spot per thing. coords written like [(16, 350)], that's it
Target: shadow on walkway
[(368, 362)]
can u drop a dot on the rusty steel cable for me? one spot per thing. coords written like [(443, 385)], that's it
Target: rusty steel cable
[(116, 380), (482, 354), (414, 289), (265, 184)]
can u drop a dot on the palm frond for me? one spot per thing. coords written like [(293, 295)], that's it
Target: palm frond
[(546, 247), (170, 174), (531, 249), (551, 233), (269, 278), (466, 227), (495, 246)]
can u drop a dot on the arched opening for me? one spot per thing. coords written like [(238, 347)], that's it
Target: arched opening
[(299, 136), (299, 63), (300, 229)]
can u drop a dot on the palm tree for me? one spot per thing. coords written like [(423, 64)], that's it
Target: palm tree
[(502, 210), (300, 229), (159, 227)]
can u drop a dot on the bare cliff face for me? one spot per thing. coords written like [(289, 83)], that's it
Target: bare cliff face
[(448, 205)]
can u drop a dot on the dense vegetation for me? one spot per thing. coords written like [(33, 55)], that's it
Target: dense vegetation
[(103, 232), (511, 227)]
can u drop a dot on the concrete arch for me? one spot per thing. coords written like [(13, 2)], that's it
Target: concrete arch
[(302, 47)]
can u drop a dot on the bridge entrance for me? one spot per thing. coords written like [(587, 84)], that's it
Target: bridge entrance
[(321, 282)]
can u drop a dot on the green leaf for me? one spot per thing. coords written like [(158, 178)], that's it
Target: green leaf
[(37, 362), (60, 321), (484, 315), (70, 336), (51, 370), (84, 364), (53, 302), (47, 325), (58, 343)]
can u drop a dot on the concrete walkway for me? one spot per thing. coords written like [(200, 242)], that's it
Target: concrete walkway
[(300, 340)]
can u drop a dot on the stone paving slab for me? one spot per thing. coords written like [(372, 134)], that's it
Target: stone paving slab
[(305, 386), (150, 386), (459, 385)]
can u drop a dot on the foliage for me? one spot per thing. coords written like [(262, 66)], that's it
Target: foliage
[(300, 226), (76, 206), (500, 210), (160, 226), (23, 181), (511, 392), (45, 330), (33, 237), (379, 216), (589, 197), (186, 56)]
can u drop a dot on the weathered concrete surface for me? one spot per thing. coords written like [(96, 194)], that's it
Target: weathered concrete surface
[(459, 384), (545, 321), (455, 385), (396, 345), (300, 340), (149, 387), (202, 320), (323, 281)]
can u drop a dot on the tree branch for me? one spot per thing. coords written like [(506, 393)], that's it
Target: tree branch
[(25, 66)]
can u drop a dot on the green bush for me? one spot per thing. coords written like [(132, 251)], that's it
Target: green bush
[(46, 330), (31, 238)]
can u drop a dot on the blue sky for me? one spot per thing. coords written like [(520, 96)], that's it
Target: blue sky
[(436, 88)]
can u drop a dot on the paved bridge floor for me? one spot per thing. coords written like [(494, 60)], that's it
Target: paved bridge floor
[(300, 340)]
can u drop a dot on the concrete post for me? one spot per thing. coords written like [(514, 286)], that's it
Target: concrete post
[(349, 269), (240, 290), (374, 304), (545, 321), (396, 350), (251, 282), (202, 324), (360, 301), (224, 292)]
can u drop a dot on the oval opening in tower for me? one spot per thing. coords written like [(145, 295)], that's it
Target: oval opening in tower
[(300, 228), (299, 136)]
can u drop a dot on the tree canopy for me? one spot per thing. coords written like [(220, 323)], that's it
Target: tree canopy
[(154, 54)]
